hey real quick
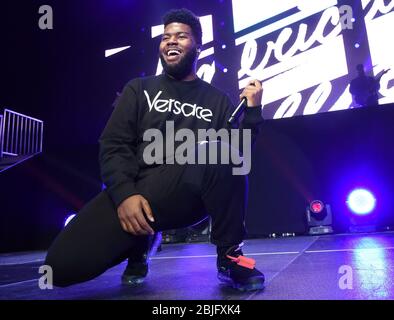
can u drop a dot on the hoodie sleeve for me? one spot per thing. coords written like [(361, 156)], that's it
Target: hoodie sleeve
[(117, 156), (252, 119)]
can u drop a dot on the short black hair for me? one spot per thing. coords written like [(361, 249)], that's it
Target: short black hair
[(187, 17), (360, 67)]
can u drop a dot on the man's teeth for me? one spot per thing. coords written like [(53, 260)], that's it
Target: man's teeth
[(173, 52)]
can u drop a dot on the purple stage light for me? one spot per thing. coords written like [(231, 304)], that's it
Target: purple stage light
[(225, 70), (357, 45), (361, 201), (223, 46), (69, 218)]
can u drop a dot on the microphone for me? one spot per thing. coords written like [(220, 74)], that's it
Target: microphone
[(238, 111)]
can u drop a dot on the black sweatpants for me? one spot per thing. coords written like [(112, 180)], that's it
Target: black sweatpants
[(179, 195)]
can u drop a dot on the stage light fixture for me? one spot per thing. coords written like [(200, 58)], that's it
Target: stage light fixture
[(69, 218), (319, 218), (316, 206), (361, 202)]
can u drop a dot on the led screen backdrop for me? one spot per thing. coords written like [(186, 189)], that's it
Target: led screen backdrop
[(304, 51)]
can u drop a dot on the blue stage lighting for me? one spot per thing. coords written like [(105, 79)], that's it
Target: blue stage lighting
[(361, 201)]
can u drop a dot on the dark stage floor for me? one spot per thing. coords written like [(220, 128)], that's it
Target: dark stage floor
[(295, 268)]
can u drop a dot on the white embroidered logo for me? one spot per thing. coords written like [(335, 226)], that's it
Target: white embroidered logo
[(177, 107)]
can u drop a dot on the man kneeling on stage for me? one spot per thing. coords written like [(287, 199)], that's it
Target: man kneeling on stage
[(143, 199)]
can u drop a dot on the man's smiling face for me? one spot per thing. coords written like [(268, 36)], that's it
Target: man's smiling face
[(178, 50)]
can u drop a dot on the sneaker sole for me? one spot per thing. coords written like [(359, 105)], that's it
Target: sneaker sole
[(258, 285), (132, 281)]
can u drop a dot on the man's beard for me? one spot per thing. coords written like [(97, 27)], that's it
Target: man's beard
[(181, 69)]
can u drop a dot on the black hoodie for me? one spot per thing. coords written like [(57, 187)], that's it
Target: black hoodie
[(147, 103)]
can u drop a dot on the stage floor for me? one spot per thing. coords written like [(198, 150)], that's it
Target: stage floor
[(344, 266)]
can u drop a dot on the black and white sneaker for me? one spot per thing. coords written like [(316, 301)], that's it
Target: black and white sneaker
[(138, 265), (135, 272), (238, 271)]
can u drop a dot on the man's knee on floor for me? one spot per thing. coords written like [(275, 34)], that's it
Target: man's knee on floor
[(62, 275)]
